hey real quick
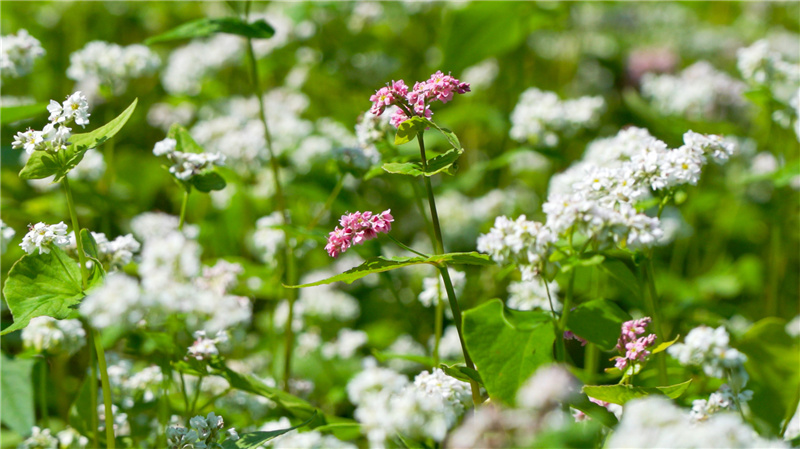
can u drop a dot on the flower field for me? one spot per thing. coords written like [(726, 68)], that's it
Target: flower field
[(399, 225)]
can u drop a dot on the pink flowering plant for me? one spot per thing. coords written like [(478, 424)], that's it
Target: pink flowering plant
[(634, 349)]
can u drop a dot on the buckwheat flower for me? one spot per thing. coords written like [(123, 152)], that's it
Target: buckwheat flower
[(374, 379), (433, 289), (101, 63), (532, 295), (30, 140), (55, 337), (126, 307), (709, 348), (39, 439), (6, 234), (722, 399), (633, 347), (69, 438), (41, 236), (204, 347), (75, 108), (18, 53), (115, 254), (165, 147), (357, 228), (188, 65), (347, 343), (547, 387), (540, 116), (186, 165), (439, 87)]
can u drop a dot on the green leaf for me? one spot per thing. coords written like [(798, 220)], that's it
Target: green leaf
[(438, 164), (663, 346), (80, 413), (620, 394), (259, 29), (462, 373), (507, 348), (89, 244), (40, 165), (342, 430), (184, 142), (17, 398), (380, 264), (598, 321), (408, 130), (206, 182), (294, 405), (573, 262), (772, 361), (42, 285), (581, 402), (256, 439), (11, 114), (451, 137)]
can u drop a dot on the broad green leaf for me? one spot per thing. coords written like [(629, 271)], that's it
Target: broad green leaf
[(206, 182), (598, 321), (773, 358), (451, 137), (380, 264), (184, 142), (259, 29), (89, 244), (17, 398), (294, 405), (41, 164), (589, 261), (80, 413), (507, 349), (408, 130), (256, 439), (10, 114), (620, 394), (462, 373), (42, 284), (581, 402), (342, 430), (438, 164)]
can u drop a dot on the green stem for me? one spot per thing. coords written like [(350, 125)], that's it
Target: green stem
[(106, 385), (561, 350), (77, 230), (197, 389), (93, 389), (185, 394), (438, 323), (281, 203), (652, 303), (590, 362), (328, 203), (43, 392), (184, 205), (438, 245)]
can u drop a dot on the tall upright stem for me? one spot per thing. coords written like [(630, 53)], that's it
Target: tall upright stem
[(438, 248), (561, 350), (652, 304), (280, 200), (184, 205), (93, 389), (43, 392), (437, 325), (106, 385), (77, 230)]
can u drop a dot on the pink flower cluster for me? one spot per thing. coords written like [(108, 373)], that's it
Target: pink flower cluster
[(357, 227), (634, 347), (439, 87)]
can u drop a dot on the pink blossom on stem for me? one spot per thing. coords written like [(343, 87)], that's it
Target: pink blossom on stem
[(357, 228), (439, 87), (631, 345)]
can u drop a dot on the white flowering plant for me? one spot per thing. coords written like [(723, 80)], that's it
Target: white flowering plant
[(577, 229)]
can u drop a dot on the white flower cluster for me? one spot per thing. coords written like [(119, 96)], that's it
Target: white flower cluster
[(185, 165), (55, 135), (172, 282), (433, 289), (18, 52), (699, 92), (532, 295), (164, 115), (449, 344), (234, 128), (548, 387), (115, 253), (722, 399), (297, 440), (708, 348), (347, 343), (6, 234), (68, 438), (463, 216), (130, 388), (101, 63), (189, 65), (204, 433), (517, 241), (654, 422), (405, 345), (481, 75), (268, 239), (540, 116), (40, 236), (55, 337), (760, 65), (388, 404), (204, 348)]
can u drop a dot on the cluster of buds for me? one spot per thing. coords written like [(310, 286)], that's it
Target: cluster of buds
[(186, 165), (631, 345), (55, 135), (439, 87), (357, 228), (205, 348)]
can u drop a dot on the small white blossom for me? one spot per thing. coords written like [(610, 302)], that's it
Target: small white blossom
[(41, 236), (18, 53), (540, 116), (46, 334)]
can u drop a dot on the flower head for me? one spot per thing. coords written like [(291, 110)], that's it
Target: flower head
[(439, 87), (40, 236), (357, 228)]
